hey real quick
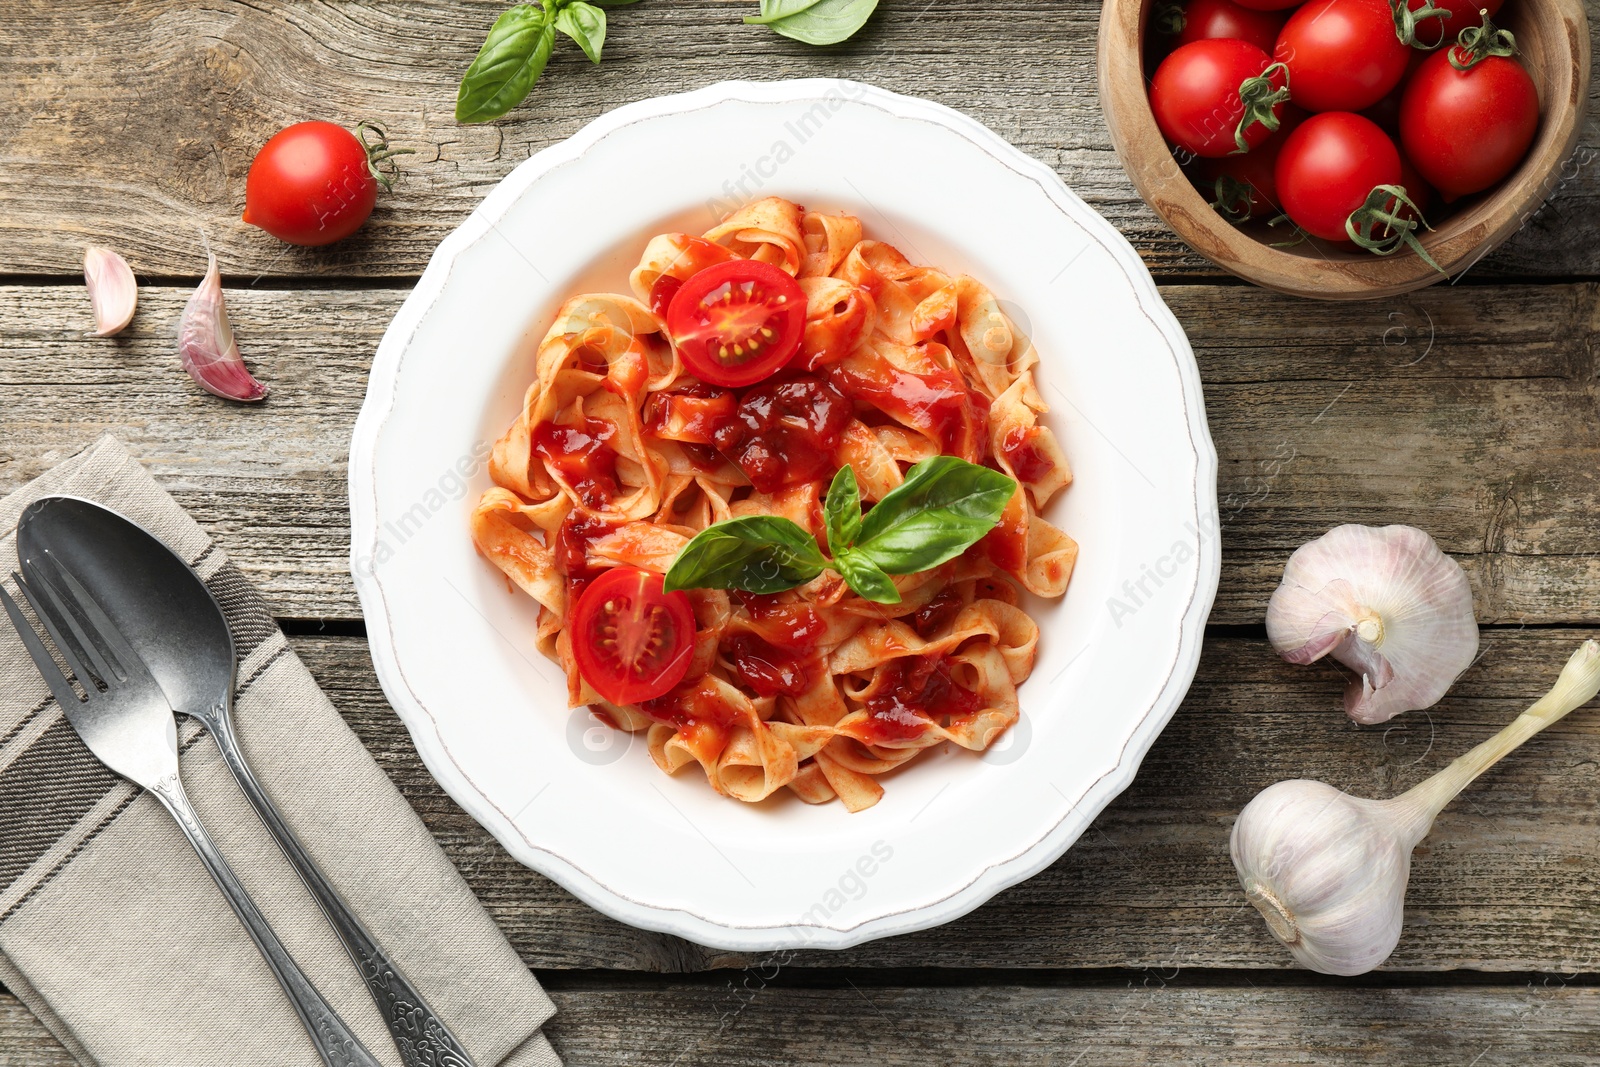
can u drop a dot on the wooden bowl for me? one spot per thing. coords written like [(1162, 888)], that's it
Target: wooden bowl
[(1553, 36)]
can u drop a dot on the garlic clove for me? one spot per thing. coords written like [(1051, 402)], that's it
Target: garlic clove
[(207, 346), (113, 292), (1385, 602)]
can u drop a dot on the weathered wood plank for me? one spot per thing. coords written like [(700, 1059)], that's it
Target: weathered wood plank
[(1469, 413), (134, 124), (753, 1019), (1507, 882)]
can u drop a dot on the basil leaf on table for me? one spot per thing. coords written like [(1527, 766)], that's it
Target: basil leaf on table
[(942, 508), (510, 61), (818, 22), (518, 47), (841, 511), (756, 553), (585, 24)]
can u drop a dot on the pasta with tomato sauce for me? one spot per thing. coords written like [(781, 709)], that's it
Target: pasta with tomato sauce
[(747, 367)]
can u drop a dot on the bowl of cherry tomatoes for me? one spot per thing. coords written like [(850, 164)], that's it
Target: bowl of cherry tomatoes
[(1344, 149)]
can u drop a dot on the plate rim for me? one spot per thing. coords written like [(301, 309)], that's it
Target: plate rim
[(1051, 842)]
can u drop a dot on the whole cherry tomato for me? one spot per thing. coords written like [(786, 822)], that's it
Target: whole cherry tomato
[(1213, 97), (1342, 55), (1206, 20), (1467, 129), (1329, 166), (314, 183), (1245, 187), (1270, 5), (1431, 32)]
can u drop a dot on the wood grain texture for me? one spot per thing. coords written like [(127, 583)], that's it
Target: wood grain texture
[(1507, 881), (754, 1019), (134, 124), (1469, 415)]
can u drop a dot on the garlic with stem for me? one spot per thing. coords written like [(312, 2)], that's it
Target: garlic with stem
[(1386, 603), (113, 293), (1328, 871), (207, 346)]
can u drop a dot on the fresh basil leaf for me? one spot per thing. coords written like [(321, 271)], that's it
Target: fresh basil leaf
[(867, 578), (756, 553), (823, 22), (772, 10), (943, 507), (842, 511), (585, 24), (510, 61)]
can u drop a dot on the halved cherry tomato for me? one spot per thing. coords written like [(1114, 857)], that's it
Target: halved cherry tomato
[(1208, 94), (1342, 55), (633, 640), (737, 322)]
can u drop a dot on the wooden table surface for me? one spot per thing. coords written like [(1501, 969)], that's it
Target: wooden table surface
[(1468, 409)]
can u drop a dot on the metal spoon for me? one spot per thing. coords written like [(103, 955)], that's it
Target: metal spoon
[(174, 623)]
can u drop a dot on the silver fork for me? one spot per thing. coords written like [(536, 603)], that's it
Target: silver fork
[(130, 727)]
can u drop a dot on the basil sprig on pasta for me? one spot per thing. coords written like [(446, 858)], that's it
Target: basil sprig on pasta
[(944, 506)]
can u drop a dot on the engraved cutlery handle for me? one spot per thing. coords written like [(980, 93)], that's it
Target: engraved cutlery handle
[(423, 1040), (334, 1041)]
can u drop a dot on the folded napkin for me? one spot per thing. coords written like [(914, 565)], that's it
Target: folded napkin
[(112, 932)]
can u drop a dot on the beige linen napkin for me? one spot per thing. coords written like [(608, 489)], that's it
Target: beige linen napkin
[(111, 931)]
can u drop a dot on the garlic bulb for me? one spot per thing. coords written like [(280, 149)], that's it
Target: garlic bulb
[(112, 291), (206, 344), (1328, 871), (1386, 603)]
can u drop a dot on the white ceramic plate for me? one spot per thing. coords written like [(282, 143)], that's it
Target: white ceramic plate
[(584, 804)]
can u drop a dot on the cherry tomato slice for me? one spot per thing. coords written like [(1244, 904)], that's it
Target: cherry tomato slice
[(633, 640), (737, 322)]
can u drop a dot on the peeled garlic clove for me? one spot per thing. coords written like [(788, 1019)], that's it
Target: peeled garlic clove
[(1328, 872), (207, 347), (1386, 603), (112, 290)]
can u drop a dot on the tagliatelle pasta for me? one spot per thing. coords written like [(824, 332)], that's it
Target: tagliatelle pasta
[(620, 457)]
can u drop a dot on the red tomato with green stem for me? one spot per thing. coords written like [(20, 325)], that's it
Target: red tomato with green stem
[(314, 183), (1328, 169), (736, 323), (1433, 30), (1469, 113), (1213, 98), (1206, 20), (1342, 55), (632, 640), (1244, 187)]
